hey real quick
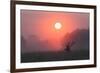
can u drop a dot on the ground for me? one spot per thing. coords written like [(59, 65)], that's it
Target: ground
[(55, 56)]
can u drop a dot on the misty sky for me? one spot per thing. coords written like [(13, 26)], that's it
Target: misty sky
[(41, 23)]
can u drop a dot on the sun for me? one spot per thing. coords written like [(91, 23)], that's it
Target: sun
[(58, 25)]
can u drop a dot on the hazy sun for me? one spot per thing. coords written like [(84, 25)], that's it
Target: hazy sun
[(58, 26)]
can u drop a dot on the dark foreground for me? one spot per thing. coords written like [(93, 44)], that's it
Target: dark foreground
[(55, 56)]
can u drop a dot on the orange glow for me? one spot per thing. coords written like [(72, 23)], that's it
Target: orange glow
[(51, 26)]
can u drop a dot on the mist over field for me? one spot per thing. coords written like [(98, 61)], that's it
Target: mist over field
[(35, 50)]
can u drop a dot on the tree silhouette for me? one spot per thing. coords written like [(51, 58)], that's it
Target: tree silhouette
[(69, 45)]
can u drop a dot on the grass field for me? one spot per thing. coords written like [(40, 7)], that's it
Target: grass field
[(55, 56)]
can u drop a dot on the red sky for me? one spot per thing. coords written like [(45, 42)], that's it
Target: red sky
[(41, 24)]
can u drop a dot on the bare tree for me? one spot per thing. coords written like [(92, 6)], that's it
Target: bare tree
[(69, 45)]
